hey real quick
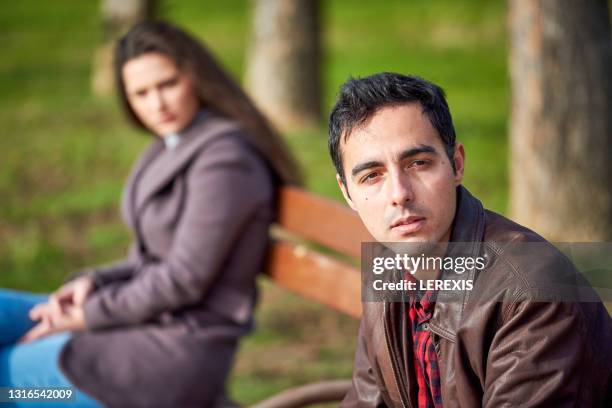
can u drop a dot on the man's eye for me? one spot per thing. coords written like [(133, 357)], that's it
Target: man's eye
[(419, 163), (370, 176), (142, 92)]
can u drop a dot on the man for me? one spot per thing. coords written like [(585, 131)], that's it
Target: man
[(392, 141)]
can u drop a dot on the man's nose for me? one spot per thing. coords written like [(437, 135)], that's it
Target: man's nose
[(401, 189)]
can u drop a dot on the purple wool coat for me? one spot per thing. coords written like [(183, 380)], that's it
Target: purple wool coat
[(163, 324)]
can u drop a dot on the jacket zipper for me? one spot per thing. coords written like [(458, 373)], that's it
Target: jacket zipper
[(404, 399)]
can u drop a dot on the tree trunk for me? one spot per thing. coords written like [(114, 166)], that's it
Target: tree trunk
[(561, 125), (117, 17), (283, 68)]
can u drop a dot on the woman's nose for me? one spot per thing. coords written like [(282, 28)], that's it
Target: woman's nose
[(156, 100)]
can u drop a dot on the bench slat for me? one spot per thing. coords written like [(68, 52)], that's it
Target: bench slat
[(321, 220), (316, 276)]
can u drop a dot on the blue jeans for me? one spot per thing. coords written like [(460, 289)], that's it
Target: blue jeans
[(34, 364)]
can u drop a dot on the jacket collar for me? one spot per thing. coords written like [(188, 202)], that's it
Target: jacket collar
[(157, 166), (466, 236), (468, 224)]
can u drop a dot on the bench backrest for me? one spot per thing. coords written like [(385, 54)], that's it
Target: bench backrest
[(316, 250)]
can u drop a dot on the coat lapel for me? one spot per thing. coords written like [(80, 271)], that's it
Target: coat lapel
[(155, 174), (466, 237), (128, 198)]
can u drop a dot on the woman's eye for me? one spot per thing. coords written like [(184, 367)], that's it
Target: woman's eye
[(170, 82)]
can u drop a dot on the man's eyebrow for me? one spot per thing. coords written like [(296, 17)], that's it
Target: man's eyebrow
[(364, 166), (404, 155), (417, 150)]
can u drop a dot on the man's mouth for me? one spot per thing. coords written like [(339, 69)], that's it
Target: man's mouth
[(408, 225)]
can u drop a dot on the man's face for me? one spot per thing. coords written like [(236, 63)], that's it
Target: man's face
[(399, 178)]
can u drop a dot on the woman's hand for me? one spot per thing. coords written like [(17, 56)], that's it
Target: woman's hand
[(63, 311), (72, 318), (73, 293)]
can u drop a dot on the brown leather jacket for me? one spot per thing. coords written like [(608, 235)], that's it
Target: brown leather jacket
[(496, 346)]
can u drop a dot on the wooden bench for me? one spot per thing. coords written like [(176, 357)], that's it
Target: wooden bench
[(315, 254)]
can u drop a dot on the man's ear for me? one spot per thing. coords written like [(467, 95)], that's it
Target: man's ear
[(459, 158), (345, 193)]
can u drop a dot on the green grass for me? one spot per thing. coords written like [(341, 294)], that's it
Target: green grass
[(64, 154)]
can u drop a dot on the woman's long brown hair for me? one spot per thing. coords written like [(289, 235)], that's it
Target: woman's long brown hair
[(215, 88)]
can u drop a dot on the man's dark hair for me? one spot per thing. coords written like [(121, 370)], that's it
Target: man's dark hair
[(361, 98)]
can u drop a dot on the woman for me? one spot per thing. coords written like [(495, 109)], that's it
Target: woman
[(161, 327)]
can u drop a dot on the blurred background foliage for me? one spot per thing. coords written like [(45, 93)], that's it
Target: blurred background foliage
[(64, 154)]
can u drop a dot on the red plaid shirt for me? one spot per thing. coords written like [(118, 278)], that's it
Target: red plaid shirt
[(425, 357)]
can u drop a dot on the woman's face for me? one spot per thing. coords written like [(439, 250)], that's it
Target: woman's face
[(162, 96)]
